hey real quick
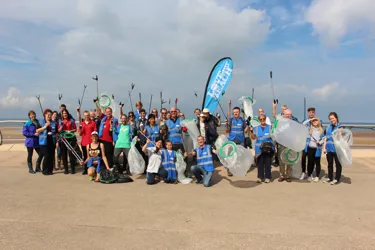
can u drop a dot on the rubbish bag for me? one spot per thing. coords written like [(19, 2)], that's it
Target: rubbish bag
[(342, 139), (236, 158), (218, 143), (290, 134), (296, 169), (188, 142), (289, 157), (192, 129), (247, 103), (181, 167), (135, 159)]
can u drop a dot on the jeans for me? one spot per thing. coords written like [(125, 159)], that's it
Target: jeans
[(199, 171), (150, 177), (264, 166), (331, 156)]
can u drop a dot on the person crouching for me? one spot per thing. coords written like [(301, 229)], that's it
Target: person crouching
[(96, 154), (154, 166), (205, 167)]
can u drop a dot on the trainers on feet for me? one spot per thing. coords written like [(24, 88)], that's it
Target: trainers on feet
[(316, 179), (334, 182), (310, 179), (328, 180), (267, 181), (259, 180), (302, 177)]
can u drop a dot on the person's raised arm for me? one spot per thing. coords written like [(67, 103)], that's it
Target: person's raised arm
[(97, 108), (79, 117), (144, 148), (274, 110)]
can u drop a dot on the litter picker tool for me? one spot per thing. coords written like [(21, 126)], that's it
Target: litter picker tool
[(140, 97), (275, 101), (83, 94), (149, 108), (97, 85), (40, 104)]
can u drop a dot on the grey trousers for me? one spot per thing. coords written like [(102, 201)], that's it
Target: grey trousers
[(116, 156)]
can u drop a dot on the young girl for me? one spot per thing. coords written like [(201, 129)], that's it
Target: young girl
[(154, 166), (330, 151), (96, 153), (152, 130), (314, 148), (169, 162)]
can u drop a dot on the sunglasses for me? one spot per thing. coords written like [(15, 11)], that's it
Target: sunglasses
[(173, 111), (163, 113), (131, 116), (262, 119)]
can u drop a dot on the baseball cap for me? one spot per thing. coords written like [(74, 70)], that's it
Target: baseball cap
[(206, 110), (94, 133), (202, 115)]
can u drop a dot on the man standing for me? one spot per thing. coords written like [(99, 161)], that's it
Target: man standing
[(236, 126), (285, 169), (175, 131), (210, 126), (107, 134)]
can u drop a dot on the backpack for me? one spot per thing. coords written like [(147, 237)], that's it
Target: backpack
[(123, 178), (107, 177)]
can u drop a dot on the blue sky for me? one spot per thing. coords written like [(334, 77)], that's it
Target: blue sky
[(322, 50)]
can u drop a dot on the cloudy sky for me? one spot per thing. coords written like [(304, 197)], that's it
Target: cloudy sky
[(320, 49)]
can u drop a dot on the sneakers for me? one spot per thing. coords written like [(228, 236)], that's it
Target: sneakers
[(267, 181), (310, 179), (316, 179), (302, 177), (229, 173), (328, 180), (334, 182), (259, 180)]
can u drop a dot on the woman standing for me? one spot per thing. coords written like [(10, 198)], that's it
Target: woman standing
[(124, 138), (47, 141), (314, 148), (330, 150), (264, 149), (67, 125), (32, 140), (96, 154), (55, 117), (86, 127), (152, 130)]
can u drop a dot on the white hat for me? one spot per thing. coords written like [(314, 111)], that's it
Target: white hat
[(94, 133), (202, 115), (206, 110)]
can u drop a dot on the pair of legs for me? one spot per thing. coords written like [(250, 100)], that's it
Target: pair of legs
[(64, 155), (30, 152), (116, 156), (47, 153), (264, 166), (332, 157), (313, 162), (150, 177), (91, 172), (108, 150), (285, 169), (202, 175)]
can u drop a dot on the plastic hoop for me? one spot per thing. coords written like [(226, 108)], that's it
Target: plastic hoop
[(274, 125), (287, 157), (232, 153), (67, 135), (109, 101)]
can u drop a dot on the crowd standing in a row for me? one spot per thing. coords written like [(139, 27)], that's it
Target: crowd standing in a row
[(160, 136)]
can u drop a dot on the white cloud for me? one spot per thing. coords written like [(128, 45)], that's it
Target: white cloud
[(14, 99), (329, 90), (332, 20)]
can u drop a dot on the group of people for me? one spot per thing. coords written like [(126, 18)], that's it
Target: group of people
[(159, 138)]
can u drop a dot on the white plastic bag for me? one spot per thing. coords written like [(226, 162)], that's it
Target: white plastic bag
[(181, 167), (290, 134), (289, 157), (247, 103), (188, 142), (236, 158), (192, 129), (342, 139), (135, 159)]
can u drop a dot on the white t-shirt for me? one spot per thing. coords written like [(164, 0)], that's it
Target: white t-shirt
[(202, 129), (154, 161)]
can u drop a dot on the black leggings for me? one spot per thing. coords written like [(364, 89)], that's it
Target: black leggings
[(47, 153), (303, 161), (109, 152), (312, 161), (330, 158), (84, 153), (30, 152)]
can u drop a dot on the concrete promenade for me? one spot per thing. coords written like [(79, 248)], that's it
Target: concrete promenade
[(69, 212)]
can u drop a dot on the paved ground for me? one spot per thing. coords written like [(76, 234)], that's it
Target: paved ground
[(69, 212)]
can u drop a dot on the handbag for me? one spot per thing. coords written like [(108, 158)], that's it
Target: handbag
[(267, 148)]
